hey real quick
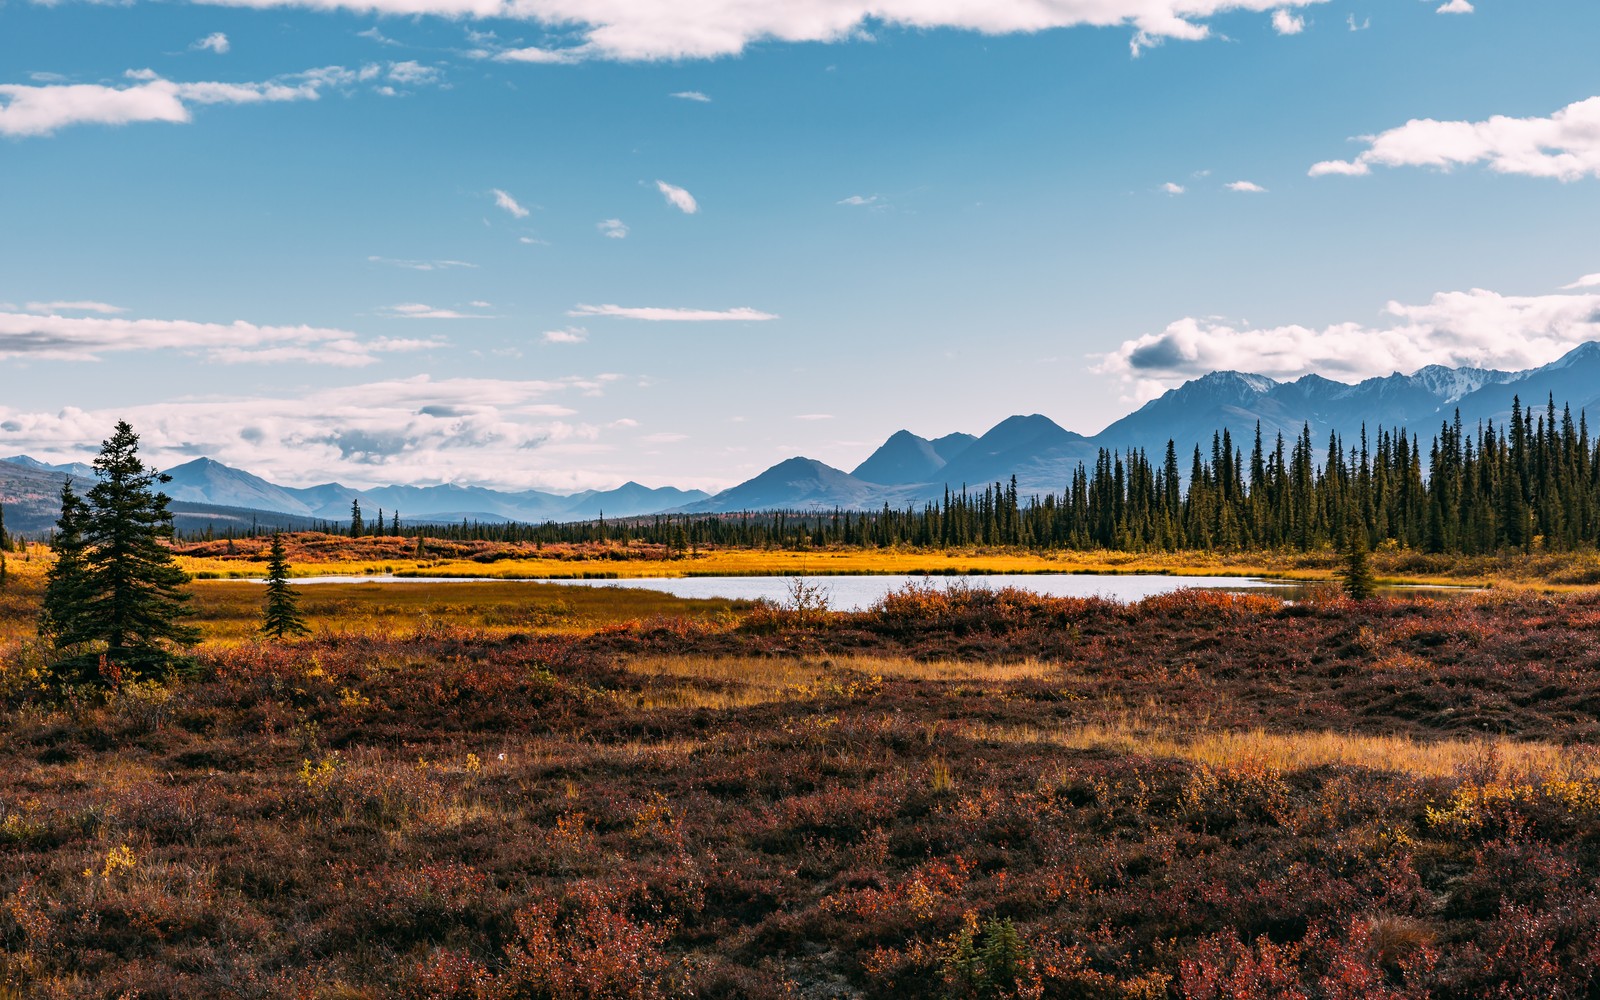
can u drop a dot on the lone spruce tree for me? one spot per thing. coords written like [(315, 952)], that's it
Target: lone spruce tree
[(1356, 578), (280, 616), (115, 579)]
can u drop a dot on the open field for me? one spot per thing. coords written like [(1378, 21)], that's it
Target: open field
[(318, 555), (951, 796)]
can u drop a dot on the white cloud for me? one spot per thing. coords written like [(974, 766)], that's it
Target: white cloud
[(215, 42), (858, 200), (1286, 23), (648, 30), (76, 338), (680, 199), (1564, 146), (514, 434), (1247, 187), (42, 110), (1456, 7), (545, 57), (614, 229), (411, 73), (1477, 328), (509, 204), (421, 265), (813, 416), (419, 310), (660, 315), (1587, 281), (1350, 19), (570, 335), (1171, 188), (691, 95), (93, 307)]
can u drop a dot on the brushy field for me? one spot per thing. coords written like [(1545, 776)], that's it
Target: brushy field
[(959, 794), (334, 555)]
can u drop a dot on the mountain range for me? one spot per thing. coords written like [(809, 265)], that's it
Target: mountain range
[(905, 469)]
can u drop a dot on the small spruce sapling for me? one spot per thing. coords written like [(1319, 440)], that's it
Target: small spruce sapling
[(1356, 578), (280, 616)]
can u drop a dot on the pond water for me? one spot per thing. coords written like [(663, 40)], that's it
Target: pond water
[(856, 593)]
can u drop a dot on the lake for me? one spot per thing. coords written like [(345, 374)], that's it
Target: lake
[(856, 593)]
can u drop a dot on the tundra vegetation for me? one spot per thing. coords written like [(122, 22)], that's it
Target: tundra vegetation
[(509, 790), (501, 790)]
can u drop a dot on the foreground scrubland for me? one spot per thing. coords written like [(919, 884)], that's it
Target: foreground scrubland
[(962, 795)]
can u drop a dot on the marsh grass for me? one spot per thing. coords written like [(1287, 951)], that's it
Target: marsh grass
[(318, 555), (231, 611), (730, 682), (1486, 759)]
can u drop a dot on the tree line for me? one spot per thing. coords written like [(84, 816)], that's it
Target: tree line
[(1533, 481)]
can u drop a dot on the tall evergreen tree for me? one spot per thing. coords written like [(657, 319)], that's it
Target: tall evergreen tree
[(135, 601), (357, 529), (280, 616)]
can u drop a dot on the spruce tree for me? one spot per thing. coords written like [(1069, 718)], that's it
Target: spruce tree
[(1356, 578), (63, 617), (280, 616), (134, 597), (357, 529)]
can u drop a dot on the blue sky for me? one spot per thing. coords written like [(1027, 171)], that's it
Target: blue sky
[(553, 244)]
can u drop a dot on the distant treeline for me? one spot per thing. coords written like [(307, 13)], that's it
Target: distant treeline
[(1537, 479)]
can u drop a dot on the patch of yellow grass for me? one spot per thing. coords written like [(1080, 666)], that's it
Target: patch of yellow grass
[(1447, 758), (761, 562), (734, 682)]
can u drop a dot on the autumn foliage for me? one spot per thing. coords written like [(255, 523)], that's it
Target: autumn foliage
[(958, 794)]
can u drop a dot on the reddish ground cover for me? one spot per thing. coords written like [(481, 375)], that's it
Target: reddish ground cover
[(969, 796)]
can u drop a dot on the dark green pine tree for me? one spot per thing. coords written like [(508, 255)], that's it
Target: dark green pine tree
[(1356, 578), (357, 529), (280, 616), (63, 616), (136, 602)]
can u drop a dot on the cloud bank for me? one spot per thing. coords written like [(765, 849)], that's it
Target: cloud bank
[(414, 430), (29, 110), (1478, 328), (660, 315), (1565, 146), (54, 337), (649, 30)]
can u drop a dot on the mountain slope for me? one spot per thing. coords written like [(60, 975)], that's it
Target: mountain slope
[(795, 484), (904, 458), (209, 482)]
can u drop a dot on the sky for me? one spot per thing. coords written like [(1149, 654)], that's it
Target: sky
[(564, 244)]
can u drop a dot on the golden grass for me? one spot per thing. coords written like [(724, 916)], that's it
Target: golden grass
[(1550, 571), (1447, 758), (741, 562), (231, 611), (742, 682)]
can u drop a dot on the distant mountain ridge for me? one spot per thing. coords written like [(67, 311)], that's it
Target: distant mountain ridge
[(910, 469), (1043, 455)]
